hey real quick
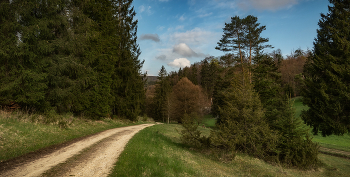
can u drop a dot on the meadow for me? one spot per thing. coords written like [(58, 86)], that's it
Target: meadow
[(158, 151)]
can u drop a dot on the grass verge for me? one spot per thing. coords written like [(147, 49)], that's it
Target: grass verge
[(22, 133), (157, 151)]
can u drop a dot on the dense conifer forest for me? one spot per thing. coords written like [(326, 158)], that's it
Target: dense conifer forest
[(71, 56)]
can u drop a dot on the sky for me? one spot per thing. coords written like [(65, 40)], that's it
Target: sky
[(178, 33)]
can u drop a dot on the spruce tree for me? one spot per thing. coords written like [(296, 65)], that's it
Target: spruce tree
[(128, 84), (9, 54), (234, 39), (42, 35), (205, 75), (242, 124), (194, 74), (294, 144), (162, 96), (326, 72), (267, 82)]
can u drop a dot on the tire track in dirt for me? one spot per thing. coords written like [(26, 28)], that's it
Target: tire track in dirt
[(335, 152), (108, 145)]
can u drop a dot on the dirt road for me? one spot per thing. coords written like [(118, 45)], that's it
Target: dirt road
[(91, 156)]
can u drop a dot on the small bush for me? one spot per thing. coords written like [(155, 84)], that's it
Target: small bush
[(190, 135)]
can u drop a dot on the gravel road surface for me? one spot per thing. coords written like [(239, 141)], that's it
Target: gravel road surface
[(91, 156)]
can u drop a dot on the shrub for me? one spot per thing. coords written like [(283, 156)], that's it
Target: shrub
[(243, 127)]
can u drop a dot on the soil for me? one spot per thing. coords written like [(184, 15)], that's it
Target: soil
[(93, 155)]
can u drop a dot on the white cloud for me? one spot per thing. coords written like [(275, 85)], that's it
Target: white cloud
[(191, 2), (160, 28), (205, 15), (182, 18), (256, 4), (266, 4), (196, 37), (180, 27), (180, 62), (153, 37), (185, 51), (142, 9)]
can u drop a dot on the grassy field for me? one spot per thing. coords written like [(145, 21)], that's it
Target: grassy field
[(333, 141), (157, 151), (22, 133)]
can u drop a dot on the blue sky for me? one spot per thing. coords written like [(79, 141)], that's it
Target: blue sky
[(177, 33)]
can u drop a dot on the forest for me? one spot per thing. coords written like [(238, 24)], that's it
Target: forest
[(82, 57), (71, 56)]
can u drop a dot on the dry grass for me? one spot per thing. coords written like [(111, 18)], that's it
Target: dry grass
[(21, 133)]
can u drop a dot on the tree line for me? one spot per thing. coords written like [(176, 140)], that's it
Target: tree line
[(249, 92), (71, 56)]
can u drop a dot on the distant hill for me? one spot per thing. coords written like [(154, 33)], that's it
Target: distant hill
[(151, 80)]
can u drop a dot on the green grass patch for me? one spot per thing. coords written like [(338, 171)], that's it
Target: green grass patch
[(333, 141), (22, 133), (157, 151), (209, 121), (299, 106)]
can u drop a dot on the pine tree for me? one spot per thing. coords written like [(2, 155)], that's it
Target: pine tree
[(234, 39), (326, 72), (253, 40)]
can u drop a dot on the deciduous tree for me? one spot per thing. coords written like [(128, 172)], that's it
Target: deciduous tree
[(186, 98)]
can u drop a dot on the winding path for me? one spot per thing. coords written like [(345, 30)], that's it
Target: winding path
[(91, 156)]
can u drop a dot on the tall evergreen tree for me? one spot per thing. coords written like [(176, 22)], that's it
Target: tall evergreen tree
[(162, 97), (128, 85), (267, 82), (242, 124), (294, 145), (9, 54), (194, 74), (326, 72), (205, 74)]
